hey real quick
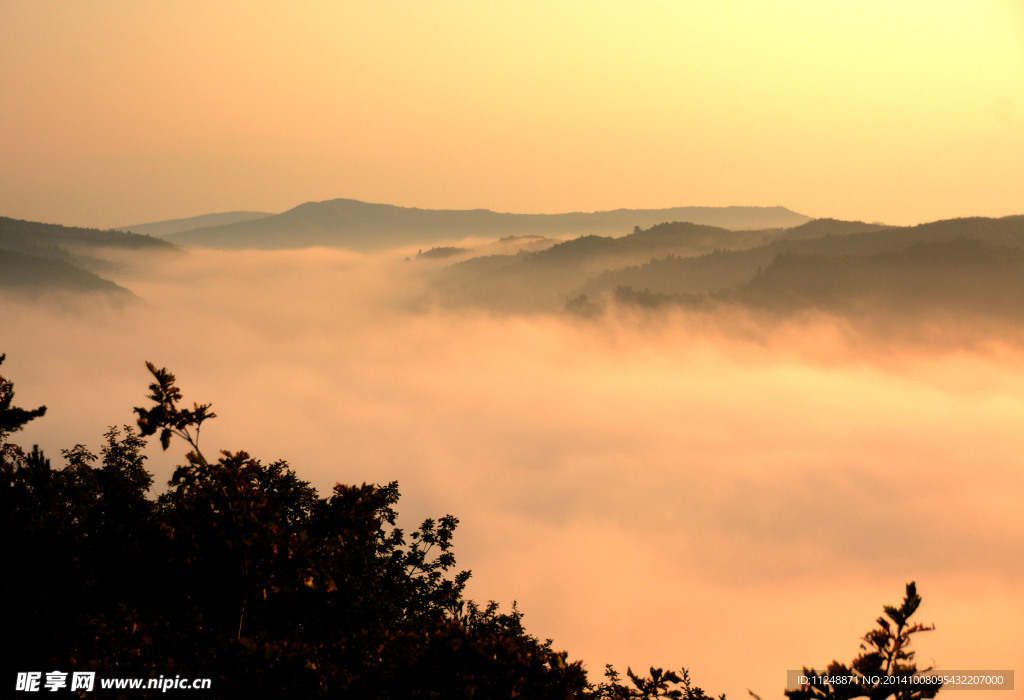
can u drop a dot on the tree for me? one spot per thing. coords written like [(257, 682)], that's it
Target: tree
[(12, 418), (886, 667), (166, 417), (241, 572), (659, 684)]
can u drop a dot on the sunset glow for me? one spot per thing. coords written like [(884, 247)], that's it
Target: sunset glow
[(721, 440), (151, 111)]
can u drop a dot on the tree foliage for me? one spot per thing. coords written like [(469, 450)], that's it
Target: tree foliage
[(166, 417), (886, 667), (12, 418), (241, 572), (659, 684)]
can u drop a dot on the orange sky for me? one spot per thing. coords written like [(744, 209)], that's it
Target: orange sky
[(120, 112)]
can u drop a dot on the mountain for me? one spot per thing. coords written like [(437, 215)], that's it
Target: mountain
[(172, 226), (962, 276), (724, 269), (36, 257), (543, 279), (16, 232), (359, 225), (32, 276), (685, 261)]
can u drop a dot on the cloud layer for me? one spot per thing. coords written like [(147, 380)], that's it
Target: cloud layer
[(715, 492)]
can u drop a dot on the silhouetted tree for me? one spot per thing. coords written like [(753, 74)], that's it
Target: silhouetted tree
[(242, 573), (166, 417), (886, 667), (659, 684), (12, 418)]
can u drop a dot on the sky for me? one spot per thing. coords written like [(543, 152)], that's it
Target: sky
[(121, 112), (721, 497)]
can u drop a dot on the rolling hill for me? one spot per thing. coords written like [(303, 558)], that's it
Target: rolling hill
[(37, 257), (33, 276), (359, 225), (956, 277), (172, 226), (595, 264), (686, 261), (723, 269)]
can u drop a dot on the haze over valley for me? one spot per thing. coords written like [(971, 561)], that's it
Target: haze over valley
[(770, 428), (704, 319)]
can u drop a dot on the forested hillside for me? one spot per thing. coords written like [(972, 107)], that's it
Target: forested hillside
[(967, 265), (37, 259)]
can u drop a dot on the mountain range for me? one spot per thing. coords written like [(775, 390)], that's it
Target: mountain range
[(173, 226), (823, 262), (532, 263), (349, 223)]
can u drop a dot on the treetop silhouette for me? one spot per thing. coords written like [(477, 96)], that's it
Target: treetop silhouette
[(242, 573)]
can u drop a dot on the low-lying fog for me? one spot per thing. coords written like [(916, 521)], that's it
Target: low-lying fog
[(720, 493)]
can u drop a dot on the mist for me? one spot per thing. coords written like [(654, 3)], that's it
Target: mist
[(732, 493)]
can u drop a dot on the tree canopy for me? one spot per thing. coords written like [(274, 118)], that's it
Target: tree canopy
[(242, 573)]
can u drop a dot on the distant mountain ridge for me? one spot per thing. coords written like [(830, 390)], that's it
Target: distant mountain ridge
[(680, 260), (17, 232), (172, 226), (824, 237), (593, 264), (38, 258), (360, 225)]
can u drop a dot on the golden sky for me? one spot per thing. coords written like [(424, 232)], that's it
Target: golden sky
[(121, 111)]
